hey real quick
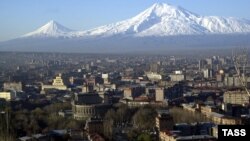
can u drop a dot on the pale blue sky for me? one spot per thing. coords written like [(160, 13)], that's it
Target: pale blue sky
[(18, 17)]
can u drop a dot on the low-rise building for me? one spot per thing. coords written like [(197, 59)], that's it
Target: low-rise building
[(173, 136), (189, 107), (236, 97), (224, 120), (207, 110), (9, 95), (12, 86), (94, 125), (219, 118), (153, 76), (177, 77)]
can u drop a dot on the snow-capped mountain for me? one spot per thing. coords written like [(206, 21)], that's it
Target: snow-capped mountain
[(164, 20), (160, 27), (158, 20), (51, 29)]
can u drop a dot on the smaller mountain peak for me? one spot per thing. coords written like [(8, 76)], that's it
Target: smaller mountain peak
[(51, 28), (53, 25)]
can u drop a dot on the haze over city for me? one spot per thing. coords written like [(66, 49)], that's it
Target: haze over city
[(124, 70)]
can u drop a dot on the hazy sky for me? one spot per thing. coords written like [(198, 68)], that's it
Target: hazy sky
[(18, 17)]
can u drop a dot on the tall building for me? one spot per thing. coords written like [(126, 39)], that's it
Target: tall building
[(159, 94), (133, 91), (170, 92), (210, 63), (154, 68), (208, 73), (105, 77), (71, 80), (202, 63)]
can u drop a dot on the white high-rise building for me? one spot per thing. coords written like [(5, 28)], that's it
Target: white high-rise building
[(207, 73)]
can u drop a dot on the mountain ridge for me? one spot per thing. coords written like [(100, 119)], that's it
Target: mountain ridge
[(160, 27), (158, 20)]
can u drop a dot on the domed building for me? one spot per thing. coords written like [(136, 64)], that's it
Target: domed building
[(86, 105)]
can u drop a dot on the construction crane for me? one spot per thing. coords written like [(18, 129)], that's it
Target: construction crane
[(240, 59)]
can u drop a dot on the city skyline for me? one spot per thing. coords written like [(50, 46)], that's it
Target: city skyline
[(82, 15)]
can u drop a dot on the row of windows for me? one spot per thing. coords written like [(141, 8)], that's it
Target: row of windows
[(85, 110)]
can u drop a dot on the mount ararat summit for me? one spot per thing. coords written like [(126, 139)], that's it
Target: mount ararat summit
[(160, 27)]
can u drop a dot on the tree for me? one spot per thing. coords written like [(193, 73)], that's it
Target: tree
[(144, 118), (144, 137), (190, 117), (73, 124), (34, 127), (109, 120)]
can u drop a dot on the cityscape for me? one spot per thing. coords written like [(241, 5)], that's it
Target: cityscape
[(120, 97), (166, 74)]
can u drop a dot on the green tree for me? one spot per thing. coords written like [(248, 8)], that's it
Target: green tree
[(144, 137)]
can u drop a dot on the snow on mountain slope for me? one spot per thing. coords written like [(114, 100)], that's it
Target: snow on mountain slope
[(51, 29), (225, 25), (158, 20), (164, 20)]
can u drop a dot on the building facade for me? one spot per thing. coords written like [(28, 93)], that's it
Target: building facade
[(87, 105), (236, 97), (56, 84), (169, 92), (12, 86), (10, 95)]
